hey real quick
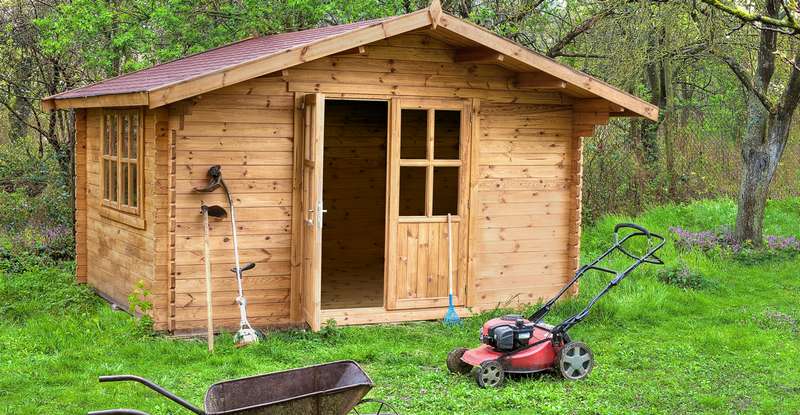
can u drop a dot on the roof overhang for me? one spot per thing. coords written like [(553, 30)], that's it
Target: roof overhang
[(619, 102)]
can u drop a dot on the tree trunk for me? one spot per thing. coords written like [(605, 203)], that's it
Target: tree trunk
[(761, 151)]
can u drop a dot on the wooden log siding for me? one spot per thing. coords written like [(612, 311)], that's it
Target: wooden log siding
[(120, 255), (526, 222), (523, 230), (248, 129)]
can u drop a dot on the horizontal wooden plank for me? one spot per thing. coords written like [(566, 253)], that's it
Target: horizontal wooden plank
[(223, 228), (244, 158), (218, 284), (235, 143)]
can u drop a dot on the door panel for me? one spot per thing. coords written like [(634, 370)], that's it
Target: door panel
[(417, 246), (313, 128), (421, 278)]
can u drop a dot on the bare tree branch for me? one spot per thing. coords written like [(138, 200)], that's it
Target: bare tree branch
[(557, 49)]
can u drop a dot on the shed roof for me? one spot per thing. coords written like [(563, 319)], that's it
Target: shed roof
[(208, 61), (226, 65)]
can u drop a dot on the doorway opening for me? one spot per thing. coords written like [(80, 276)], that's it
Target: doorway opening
[(354, 193)]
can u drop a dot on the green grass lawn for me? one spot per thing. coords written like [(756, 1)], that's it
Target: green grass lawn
[(732, 347)]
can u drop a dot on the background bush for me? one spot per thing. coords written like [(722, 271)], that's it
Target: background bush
[(35, 202)]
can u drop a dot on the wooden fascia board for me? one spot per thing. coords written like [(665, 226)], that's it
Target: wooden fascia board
[(547, 65), (132, 99), (478, 55), (539, 80), (294, 56)]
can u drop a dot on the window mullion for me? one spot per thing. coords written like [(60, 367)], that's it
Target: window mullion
[(429, 169)]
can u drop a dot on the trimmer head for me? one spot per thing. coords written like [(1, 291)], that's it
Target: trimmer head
[(247, 336), (214, 180)]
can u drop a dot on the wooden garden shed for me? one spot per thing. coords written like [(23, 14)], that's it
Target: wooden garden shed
[(345, 148)]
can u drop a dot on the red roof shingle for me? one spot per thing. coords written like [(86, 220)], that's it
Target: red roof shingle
[(210, 61)]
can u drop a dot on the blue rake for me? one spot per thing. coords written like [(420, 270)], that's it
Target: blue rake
[(451, 317)]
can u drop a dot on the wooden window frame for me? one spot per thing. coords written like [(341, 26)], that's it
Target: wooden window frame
[(430, 162), (115, 209)]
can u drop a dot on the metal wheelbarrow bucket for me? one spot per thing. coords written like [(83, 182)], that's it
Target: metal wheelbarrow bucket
[(326, 389)]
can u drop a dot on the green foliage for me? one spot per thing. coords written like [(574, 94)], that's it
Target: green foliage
[(140, 304), (36, 214), (658, 350), (681, 276)]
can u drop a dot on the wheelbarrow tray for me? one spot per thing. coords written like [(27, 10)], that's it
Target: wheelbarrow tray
[(326, 389)]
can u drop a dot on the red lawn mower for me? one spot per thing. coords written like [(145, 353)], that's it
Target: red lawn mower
[(513, 344)]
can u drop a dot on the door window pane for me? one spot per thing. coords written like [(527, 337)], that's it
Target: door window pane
[(446, 135), (412, 191), (413, 134), (445, 190)]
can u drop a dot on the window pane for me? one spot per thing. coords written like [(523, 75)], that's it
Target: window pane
[(412, 191), (106, 175), (112, 182), (106, 134), (113, 135), (125, 130), (134, 185), (124, 182), (446, 134), (445, 190), (413, 134), (135, 135)]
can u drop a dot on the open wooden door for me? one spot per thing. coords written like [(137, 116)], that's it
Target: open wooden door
[(428, 178), (313, 129)]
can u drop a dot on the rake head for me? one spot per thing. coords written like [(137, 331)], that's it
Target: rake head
[(451, 317)]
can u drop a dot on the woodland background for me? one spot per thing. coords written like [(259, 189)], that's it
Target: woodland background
[(677, 54)]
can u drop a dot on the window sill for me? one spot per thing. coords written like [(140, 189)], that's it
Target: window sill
[(129, 219)]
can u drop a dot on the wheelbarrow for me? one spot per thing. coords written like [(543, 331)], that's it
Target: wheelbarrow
[(326, 389)]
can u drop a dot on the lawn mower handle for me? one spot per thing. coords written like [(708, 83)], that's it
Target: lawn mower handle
[(153, 386), (632, 226), (649, 257)]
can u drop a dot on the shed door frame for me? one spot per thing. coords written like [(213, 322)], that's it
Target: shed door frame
[(395, 297)]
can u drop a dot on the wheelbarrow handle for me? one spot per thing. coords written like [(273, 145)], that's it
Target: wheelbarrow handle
[(118, 412), (155, 387)]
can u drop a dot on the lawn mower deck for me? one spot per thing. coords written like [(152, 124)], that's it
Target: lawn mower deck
[(513, 344)]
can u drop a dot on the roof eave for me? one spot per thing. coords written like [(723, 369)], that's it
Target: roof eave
[(542, 63), (129, 99)]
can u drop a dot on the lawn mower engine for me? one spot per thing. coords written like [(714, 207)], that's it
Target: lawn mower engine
[(507, 333)]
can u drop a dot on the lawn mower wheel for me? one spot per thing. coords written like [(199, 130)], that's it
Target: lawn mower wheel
[(490, 374), (575, 361), (455, 364)]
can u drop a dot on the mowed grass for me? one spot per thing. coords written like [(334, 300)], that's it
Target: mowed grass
[(730, 348)]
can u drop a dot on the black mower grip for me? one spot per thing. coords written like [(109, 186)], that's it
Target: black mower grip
[(632, 226)]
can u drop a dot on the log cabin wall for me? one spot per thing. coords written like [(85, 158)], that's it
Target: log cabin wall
[(248, 129), (119, 253), (523, 199), (526, 203)]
